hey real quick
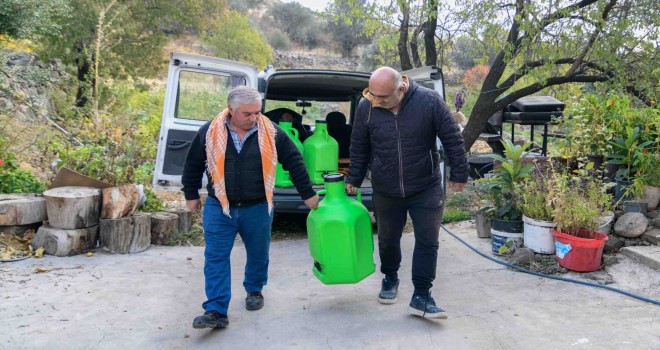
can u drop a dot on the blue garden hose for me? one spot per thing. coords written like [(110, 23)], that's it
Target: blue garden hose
[(632, 295)]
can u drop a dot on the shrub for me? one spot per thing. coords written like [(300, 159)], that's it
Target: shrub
[(14, 179)]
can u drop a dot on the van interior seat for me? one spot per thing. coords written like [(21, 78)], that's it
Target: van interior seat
[(276, 115), (340, 131)]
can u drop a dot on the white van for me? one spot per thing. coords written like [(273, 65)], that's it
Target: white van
[(197, 88)]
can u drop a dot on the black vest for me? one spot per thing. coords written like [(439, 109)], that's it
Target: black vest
[(244, 179)]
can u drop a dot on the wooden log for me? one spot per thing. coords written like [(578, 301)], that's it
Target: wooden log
[(62, 242), (22, 210), (127, 235), (119, 202), (185, 218), (73, 207), (163, 225)]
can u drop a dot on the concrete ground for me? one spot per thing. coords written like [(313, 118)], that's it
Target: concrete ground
[(148, 301)]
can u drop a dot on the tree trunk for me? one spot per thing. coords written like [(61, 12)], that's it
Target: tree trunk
[(119, 202), (22, 210), (84, 77), (163, 226), (483, 109), (414, 48), (73, 207), (126, 235), (61, 242), (185, 218), (429, 27), (404, 56)]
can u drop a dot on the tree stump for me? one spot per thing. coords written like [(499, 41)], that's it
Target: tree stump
[(22, 210), (185, 218), (73, 207), (128, 235), (62, 242), (119, 202), (163, 225)]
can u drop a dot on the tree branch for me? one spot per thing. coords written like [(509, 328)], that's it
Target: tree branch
[(536, 87), (529, 66), (592, 39)]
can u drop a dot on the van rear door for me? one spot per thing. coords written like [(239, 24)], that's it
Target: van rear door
[(196, 91)]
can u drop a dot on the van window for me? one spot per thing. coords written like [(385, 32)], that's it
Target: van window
[(201, 96), (318, 110)]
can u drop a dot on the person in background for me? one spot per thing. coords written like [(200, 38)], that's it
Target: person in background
[(239, 150), (394, 134)]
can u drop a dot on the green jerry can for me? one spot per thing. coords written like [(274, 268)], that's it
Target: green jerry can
[(282, 178), (320, 153), (340, 235)]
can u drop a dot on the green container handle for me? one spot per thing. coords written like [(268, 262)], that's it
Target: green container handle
[(359, 195), (294, 131), (319, 193)]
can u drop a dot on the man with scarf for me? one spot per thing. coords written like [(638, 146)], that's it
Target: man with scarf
[(239, 150), (394, 134)]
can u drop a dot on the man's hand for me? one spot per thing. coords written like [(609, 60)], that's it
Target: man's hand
[(312, 202), (350, 189), (194, 204), (456, 186)]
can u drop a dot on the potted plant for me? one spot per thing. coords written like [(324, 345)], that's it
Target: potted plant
[(577, 206), (503, 191), (536, 193), (637, 164)]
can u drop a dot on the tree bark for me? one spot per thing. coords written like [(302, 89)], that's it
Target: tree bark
[(185, 218), (404, 56), (73, 207), (61, 242), (163, 225), (22, 210), (126, 235), (119, 201), (429, 27), (414, 48)]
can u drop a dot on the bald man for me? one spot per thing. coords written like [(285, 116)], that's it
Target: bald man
[(394, 133)]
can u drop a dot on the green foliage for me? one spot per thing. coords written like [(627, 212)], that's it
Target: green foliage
[(297, 21), (152, 203), (14, 179), (31, 18), (453, 215), (578, 202), (234, 38), (503, 189), (468, 52), (347, 28), (278, 40), (536, 192)]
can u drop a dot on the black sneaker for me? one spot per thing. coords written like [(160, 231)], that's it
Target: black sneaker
[(211, 319), (424, 306), (254, 301), (388, 291)]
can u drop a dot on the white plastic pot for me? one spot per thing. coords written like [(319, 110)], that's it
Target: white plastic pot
[(538, 236)]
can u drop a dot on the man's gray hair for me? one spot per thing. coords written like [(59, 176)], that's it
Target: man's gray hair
[(242, 95), (398, 80)]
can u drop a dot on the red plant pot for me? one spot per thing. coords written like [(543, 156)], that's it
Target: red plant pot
[(582, 252)]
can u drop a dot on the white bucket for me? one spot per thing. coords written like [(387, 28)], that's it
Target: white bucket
[(509, 239), (605, 224), (538, 236)]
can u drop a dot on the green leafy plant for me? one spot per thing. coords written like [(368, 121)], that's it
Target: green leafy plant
[(578, 202), (152, 203), (536, 193), (14, 179), (503, 189)]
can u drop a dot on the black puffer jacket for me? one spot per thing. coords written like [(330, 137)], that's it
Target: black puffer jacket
[(401, 149)]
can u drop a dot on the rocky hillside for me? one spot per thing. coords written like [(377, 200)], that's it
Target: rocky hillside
[(288, 60), (27, 113)]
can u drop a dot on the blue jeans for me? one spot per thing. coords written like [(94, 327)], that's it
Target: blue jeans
[(253, 223)]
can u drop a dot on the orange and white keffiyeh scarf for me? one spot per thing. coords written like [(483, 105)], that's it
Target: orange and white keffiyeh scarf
[(216, 147)]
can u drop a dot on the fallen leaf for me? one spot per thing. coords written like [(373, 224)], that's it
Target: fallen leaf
[(39, 253), (40, 269), (89, 254)]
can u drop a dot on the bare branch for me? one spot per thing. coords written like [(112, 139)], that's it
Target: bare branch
[(592, 39)]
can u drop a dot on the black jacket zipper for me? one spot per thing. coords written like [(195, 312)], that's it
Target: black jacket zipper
[(398, 140)]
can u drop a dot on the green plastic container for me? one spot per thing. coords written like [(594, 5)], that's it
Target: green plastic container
[(282, 178), (340, 236), (321, 153)]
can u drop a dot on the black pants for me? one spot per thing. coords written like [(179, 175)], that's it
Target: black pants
[(425, 209)]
